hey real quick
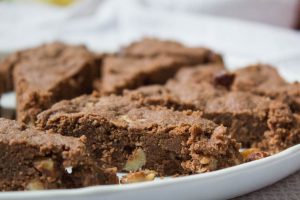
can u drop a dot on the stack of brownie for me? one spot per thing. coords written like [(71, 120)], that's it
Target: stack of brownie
[(154, 105)]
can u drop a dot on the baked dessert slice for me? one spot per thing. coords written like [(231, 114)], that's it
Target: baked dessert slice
[(121, 132), (149, 61), (283, 129), (33, 160), (158, 95), (264, 80), (289, 93), (257, 79), (207, 90), (119, 73), (152, 47), (50, 73), (243, 113)]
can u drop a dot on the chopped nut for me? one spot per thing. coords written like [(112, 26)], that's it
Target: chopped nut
[(35, 185), (253, 154), (126, 118), (47, 167), (204, 160), (141, 176), (136, 161)]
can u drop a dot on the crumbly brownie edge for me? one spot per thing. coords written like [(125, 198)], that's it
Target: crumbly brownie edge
[(32, 160)]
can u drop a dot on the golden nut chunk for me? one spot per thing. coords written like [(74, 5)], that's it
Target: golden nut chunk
[(136, 161), (35, 185), (47, 167), (204, 161), (253, 154), (141, 176)]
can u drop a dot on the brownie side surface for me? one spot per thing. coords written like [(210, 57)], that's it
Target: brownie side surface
[(33, 160), (283, 129), (243, 113)]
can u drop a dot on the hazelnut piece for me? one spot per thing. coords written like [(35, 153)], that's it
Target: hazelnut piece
[(136, 161)]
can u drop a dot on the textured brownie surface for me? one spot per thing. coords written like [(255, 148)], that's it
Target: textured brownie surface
[(200, 73), (200, 84), (191, 88), (149, 61), (173, 142), (283, 129), (57, 72), (207, 89), (31, 159), (257, 78), (119, 73), (151, 47), (158, 95), (243, 113), (289, 93)]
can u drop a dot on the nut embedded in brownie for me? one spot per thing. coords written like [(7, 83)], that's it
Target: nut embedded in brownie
[(33, 160), (116, 127)]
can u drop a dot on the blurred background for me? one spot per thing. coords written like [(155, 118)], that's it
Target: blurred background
[(245, 31)]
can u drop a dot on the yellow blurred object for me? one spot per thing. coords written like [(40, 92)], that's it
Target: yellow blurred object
[(60, 2)]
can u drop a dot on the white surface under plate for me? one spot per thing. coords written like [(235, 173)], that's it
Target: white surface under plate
[(222, 184)]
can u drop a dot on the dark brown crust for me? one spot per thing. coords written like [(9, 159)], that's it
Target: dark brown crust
[(58, 72), (23, 149), (174, 142)]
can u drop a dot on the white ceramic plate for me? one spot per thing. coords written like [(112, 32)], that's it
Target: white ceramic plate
[(222, 184)]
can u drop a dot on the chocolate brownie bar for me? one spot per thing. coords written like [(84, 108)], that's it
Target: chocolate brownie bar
[(6, 70), (119, 73), (243, 113), (33, 160), (149, 61), (49, 73), (158, 95), (283, 129), (207, 89), (152, 47), (210, 73), (191, 88), (257, 78), (121, 132), (289, 93)]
